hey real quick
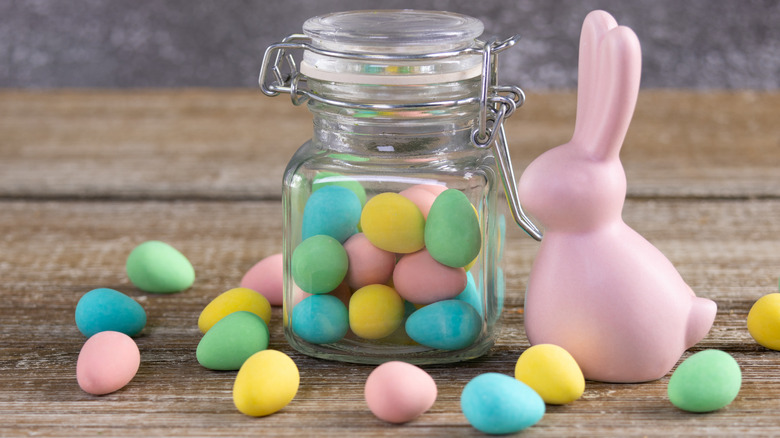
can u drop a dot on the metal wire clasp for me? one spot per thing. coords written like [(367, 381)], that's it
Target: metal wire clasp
[(279, 73)]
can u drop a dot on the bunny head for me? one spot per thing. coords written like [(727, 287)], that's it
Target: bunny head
[(581, 184)]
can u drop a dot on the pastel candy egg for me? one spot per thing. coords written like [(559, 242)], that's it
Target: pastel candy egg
[(107, 362), (265, 278), (705, 382), (375, 311), (324, 179), (452, 232), (435, 189), (333, 211), (319, 264), (157, 267), (552, 372), (266, 382), (421, 197), (763, 321), (471, 295), (393, 223), (446, 325), (233, 300), (398, 392), (498, 404), (422, 280), (108, 310), (320, 319), (367, 263), (232, 340)]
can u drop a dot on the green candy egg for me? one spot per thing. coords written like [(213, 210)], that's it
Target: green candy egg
[(158, 267), (452, 233), (705, 382), (232, 340), (319, 264), (324, 179)]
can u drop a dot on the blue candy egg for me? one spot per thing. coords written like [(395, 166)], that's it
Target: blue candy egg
[(446, 325), (320, 319), (471, 294), (333, 211), (106, 309), (499, 404)]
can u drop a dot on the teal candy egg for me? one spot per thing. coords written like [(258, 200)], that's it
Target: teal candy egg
[(446, 325), (158, 267), (471, 295), (333, 211), (452, 232), (499, 404), (320, 319), (705, 382), (232, 340), (326, 179), (103, 309), (319, 264)]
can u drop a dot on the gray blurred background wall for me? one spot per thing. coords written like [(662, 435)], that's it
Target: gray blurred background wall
[(699, 44)]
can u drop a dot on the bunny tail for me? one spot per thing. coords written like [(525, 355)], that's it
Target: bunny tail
[(699, 320)]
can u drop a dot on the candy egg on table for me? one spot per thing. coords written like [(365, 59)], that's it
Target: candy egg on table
[(106, 309), (265, 278), (375, 311), (452, 233), (763, 321), (107, 362), (319, 264), (498, 404), (706, 381), (320, 319), (422, 280), (552, 372), (232, 340), (398, 392), (233, 300), (332, 211), (265, 383), (393, 223), (367, 263), (157, 267), (446, 325)]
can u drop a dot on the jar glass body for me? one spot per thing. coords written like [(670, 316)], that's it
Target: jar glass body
[(373, 152)]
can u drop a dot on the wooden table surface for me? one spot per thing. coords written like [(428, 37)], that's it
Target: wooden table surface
[(87, 175)]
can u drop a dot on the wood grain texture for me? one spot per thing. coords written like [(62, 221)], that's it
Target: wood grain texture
[(103, 171)]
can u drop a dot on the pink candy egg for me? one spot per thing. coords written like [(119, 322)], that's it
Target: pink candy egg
[(367, 263), (420, 279), (421, 197), (398, 392), (436, 189), (107, 362), (265, 277)]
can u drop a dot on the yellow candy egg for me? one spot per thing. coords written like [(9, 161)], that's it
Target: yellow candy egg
[(552, 372), (266, 382), (763, 321), (393, 223), (375, 311), (231, 301)]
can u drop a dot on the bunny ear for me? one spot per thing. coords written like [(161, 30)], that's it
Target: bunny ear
[(620, 68), (595, 25)]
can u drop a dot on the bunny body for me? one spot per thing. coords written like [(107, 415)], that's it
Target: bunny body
[(597, 288)]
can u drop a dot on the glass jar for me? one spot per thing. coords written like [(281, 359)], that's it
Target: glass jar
[(392, 242)]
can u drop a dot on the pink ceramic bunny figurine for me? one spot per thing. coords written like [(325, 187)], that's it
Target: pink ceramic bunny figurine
[(597, 288)]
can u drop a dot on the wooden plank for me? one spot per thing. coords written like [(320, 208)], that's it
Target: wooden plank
[(54, 251), (234, 144)]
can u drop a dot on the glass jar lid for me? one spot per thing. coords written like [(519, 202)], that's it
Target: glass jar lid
[(392, 47)]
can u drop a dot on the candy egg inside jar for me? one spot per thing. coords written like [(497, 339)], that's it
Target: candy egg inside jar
[(415, 245)]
